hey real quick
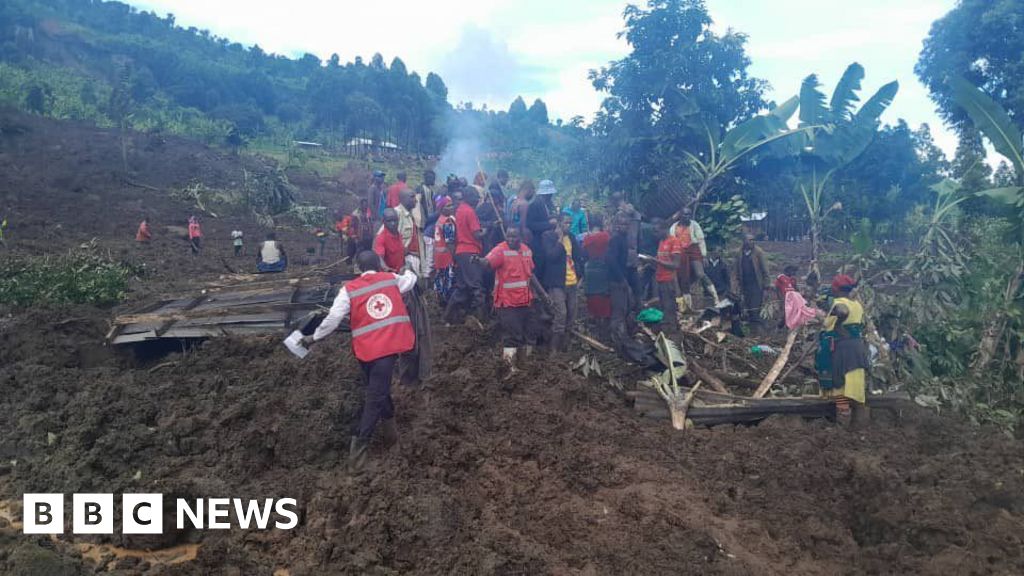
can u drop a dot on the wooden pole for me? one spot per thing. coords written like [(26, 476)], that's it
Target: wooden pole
[(497, 213), (780, 363)]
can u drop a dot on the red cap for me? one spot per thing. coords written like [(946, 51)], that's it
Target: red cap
[(842, 281)]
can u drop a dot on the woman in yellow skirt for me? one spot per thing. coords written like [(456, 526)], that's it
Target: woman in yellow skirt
[(842, 360)]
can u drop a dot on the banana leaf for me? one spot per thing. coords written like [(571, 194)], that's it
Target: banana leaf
[(845, 94), (993, 121)]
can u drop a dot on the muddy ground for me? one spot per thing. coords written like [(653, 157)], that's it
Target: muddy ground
[(548, 473)]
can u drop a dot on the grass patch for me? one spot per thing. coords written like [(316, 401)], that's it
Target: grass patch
[(81, 276)]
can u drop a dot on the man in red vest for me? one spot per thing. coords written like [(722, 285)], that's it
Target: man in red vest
[(512, 262), (381, 330)]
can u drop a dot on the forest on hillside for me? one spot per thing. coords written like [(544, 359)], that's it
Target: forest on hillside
[(937, 240)]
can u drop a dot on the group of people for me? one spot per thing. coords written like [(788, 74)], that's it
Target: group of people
[(487, 253), (271, 256)]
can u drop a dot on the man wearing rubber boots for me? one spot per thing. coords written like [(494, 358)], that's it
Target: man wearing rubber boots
[(512, 263), (381, 331)]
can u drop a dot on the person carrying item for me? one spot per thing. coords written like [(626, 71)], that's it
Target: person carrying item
[(272, 256), (381, 331)]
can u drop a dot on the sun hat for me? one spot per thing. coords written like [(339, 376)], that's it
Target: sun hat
[(546, 188)]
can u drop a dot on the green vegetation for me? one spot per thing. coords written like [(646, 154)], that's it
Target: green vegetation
[(82, 276)]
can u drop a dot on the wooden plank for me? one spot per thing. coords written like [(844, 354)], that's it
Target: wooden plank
[(132, 338), (192, 332), (271, 317)]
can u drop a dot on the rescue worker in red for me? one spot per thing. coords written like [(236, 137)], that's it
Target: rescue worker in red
[(143, 234), (388, 244), (468, 295), (381, 330), (512, 263), (195, 234)]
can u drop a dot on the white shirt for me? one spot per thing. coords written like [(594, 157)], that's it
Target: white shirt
[(270, 253), (342, 304), (696, 235)]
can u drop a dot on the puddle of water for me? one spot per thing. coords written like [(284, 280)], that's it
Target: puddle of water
[(95, 552)]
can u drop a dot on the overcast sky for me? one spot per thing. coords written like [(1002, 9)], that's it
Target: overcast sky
[(489, 51)]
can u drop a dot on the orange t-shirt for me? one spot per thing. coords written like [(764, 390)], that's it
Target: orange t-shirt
[(668, 249), (683, 234)]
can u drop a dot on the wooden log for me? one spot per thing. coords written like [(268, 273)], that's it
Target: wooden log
[(708, 377), (806, 351), (593, 342), (735, 380), (780, 363), (686, 405)]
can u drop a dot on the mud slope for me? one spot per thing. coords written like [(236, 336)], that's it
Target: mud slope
[(543, 474)]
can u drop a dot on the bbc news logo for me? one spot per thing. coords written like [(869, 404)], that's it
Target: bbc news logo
[(144, 513)]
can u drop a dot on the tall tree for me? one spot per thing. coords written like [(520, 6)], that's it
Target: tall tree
[(538, 112), (517, 110), (679, 77), (982, 41)]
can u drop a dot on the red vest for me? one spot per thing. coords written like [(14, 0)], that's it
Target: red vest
[(512, 270), (380, 322), (442, 252)]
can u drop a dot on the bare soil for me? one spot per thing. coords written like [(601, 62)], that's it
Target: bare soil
[(547, 473)]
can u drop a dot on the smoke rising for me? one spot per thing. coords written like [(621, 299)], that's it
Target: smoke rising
[(464, 148)]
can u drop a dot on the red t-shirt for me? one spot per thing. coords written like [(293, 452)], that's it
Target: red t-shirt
[(393, 191), (668, 249), (512, 270), (466, 225), (595, 244), (389, 247)]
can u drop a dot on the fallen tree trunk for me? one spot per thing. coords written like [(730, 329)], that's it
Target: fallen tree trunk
[(597, 344), (708, 377), (780, 363)]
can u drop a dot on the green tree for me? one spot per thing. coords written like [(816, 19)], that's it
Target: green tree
[(679, 78), (996, 124), (839, 136), (538, 112), (980, 40)]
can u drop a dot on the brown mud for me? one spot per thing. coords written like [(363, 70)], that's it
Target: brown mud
[(546, 473)]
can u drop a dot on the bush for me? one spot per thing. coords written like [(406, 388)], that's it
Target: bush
[(78, 277)]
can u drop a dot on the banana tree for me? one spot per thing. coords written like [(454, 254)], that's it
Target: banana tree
[(837, 135), (993, 121), (739, 143)]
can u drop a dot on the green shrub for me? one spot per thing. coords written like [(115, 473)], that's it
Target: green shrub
[(79, 277)]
